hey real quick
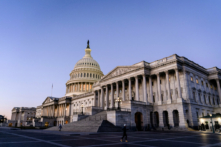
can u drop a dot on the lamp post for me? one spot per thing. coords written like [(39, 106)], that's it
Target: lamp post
[(118, 101), (82, 108), (212, 122)]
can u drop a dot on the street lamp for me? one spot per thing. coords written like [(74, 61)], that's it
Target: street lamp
[(212, 122), (118, 101), (82, 105)]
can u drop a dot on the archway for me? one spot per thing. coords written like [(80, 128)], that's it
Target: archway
[(66, 122), (151, 119), (139, 121), (176, 118), (55, 123), (165, 118), (156, 119)]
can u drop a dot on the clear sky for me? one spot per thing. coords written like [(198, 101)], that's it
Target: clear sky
[(41, 40)]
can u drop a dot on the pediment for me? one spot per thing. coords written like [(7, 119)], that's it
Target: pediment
[(47, 100), (119, 70)]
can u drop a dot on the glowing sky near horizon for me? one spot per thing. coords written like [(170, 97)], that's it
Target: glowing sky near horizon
[(40, 41)]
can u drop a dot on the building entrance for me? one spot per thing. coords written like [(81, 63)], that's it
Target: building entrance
[(139, 121)]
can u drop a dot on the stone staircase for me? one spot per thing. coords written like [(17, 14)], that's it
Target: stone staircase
[(94, 123)]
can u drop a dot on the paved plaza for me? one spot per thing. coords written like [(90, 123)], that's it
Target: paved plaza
[(39, 138)]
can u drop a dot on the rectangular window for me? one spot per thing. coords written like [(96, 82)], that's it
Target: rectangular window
[(194, 97), (152, 83), (197, 81), (197, 116), (205, 99), (210, 101), (199, 97), (191, 78), (202, 82), (207, 85)]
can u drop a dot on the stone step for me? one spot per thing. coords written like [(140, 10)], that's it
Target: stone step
[(94, 123)]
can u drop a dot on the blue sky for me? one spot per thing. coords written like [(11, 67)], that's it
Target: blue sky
[(40, 41)]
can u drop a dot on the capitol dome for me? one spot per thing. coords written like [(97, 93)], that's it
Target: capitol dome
[(85, 73)]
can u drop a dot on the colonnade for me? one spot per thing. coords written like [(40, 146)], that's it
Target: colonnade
[(155, 99), (79, 87), (60, 110)]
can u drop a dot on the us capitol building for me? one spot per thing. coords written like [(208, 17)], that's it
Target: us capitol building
[(173, 91)]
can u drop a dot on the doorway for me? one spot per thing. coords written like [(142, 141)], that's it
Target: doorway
[(139, 121)]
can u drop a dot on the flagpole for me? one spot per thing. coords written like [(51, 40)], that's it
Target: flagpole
[(51, 90)]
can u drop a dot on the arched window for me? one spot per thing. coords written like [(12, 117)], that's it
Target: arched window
[(209, 101), (93, 75), (90, 75), (84, 74), (191, 78), (87, 75), (96, 76), (197, 81), (81, 74)]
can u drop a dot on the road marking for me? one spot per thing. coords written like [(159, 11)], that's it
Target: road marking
[(18, 142), (216, 144), (38, 139), (180, 141)]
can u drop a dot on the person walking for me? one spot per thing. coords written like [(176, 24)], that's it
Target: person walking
[(124, 133), (60, 127)]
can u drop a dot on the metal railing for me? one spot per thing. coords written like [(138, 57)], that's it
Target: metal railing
[(119, 109), (80, 113)]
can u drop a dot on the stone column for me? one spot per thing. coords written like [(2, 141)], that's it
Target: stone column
[(107, 97), (219, 91), (102, 98), (112, 96), (123, 90), (151, 90), (70, 109), (174, 89), (186, 84), (159, 89), (57, 110), (99, 99), (165, 93), (137, 88), (82, 87), (178, 84), (129, 89), (78, 88), (53, 112), (94, 104), (144, 89), (168, 88), (117, 90), (63, 110)]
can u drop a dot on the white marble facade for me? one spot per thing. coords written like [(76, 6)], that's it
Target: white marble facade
[(171, 91)]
